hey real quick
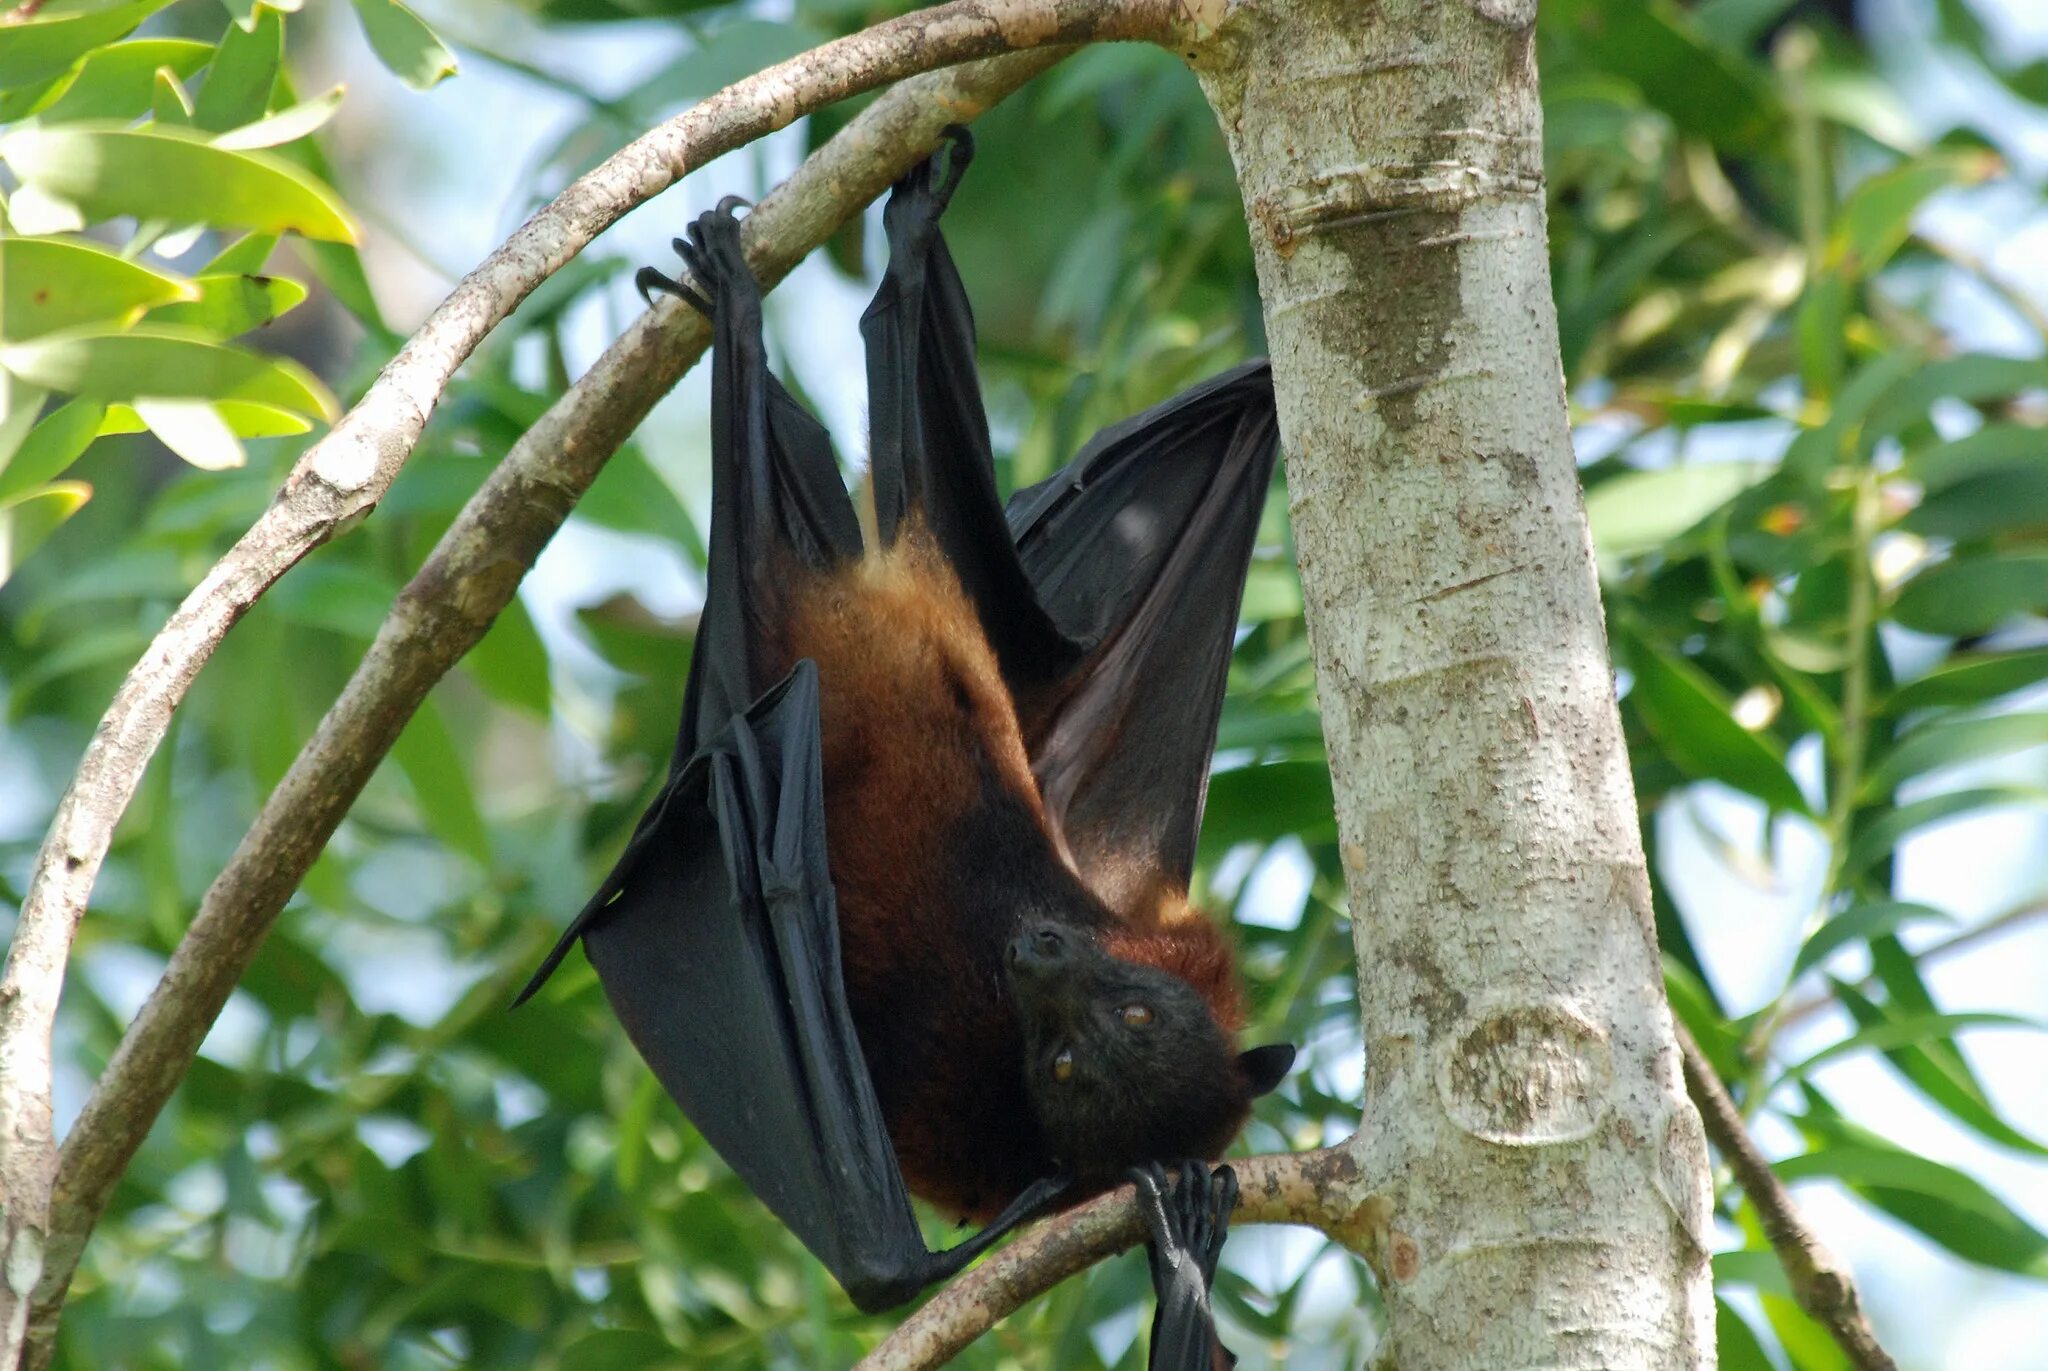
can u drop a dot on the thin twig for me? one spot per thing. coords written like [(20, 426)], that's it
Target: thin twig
[(340, 479), (1821, 1282), (471, 575), (1317, 1189)]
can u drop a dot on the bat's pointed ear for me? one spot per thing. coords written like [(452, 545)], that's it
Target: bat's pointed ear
[(1265, 1067)]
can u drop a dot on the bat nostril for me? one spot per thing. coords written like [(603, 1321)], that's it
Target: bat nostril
[(1036, 948)]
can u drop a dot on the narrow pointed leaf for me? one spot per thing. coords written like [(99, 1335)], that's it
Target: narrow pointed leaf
[(165, 364), (404, 44), (172, 176), (1861, 923), (63, 31), (51, 446), (60, 283)]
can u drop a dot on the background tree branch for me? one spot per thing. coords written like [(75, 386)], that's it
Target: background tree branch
[(1821, 1282), (442, 612)]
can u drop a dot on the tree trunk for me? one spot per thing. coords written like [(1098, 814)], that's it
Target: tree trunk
[(1534, 1182)]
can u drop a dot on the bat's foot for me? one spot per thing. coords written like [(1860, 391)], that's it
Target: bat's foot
[(1189, 1216), (710, 248), (917, 201), (1186, 1220)]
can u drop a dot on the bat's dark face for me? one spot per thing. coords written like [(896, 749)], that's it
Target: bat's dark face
[(1125, 1063)]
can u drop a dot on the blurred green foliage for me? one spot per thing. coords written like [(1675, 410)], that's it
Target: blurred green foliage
[(1823, 528)]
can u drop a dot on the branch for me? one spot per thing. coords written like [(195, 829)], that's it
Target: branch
[(441, 613), (340, 478), (1318, 1189), (1821, 1283)]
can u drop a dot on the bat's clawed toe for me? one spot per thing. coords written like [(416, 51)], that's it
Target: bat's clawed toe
[(651, 283)]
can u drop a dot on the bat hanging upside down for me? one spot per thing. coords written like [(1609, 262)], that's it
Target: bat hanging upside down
[(910, 911)]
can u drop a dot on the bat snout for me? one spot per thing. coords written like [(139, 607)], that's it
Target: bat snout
[(1039, 949)]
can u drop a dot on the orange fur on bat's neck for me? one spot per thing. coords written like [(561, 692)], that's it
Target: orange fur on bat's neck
[(918, 729)]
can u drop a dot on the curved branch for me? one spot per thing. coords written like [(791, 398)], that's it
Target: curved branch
[(1317, 1189), (441, 613), (341, 477), (1821, 1282)]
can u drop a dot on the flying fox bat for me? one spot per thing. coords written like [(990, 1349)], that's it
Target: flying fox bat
[(909, 914)]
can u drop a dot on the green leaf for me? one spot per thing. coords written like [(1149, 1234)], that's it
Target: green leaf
[(335, 595), (1643, 511), (433, 765), (248, 419), (20, 403), (60, 283), (108, 171), (286, 126), (1704, 90), (1860, 923), (511, 662), (1876, 219), (1951, 1208), (1737, 1342), (405, 45), (229, 305), (243, 257), (27, 519), (1936, 1069), (194, 431), (1991, 449), (117, 82), (51, 446), (1879, 831), (1970, 595), (1969, 679), (1262, 804), (165, 364), (632, 638), (170, 107), (1948, 742), (1904, 1032), (1694, 1005), (63, 31), (1976, 378), (1983, 506), (630, 497), (1689, 716), (1815, 452), (243, 73), (1271, 592)]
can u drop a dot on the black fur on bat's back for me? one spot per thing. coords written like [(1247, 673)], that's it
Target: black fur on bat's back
[(942, 862)]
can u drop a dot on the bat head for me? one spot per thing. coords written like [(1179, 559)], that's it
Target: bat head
[(1126, 1060)]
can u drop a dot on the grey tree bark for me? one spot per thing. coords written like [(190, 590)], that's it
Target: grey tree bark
[(1533, 1185)]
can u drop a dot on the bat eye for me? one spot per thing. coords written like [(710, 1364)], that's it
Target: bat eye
[(1135, 1015), (1063, 1064)]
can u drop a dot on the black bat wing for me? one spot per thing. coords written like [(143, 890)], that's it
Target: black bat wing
[(716, 936), (1139, 551)]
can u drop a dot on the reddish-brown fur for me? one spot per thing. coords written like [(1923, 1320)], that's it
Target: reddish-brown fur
[(917, 725)]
